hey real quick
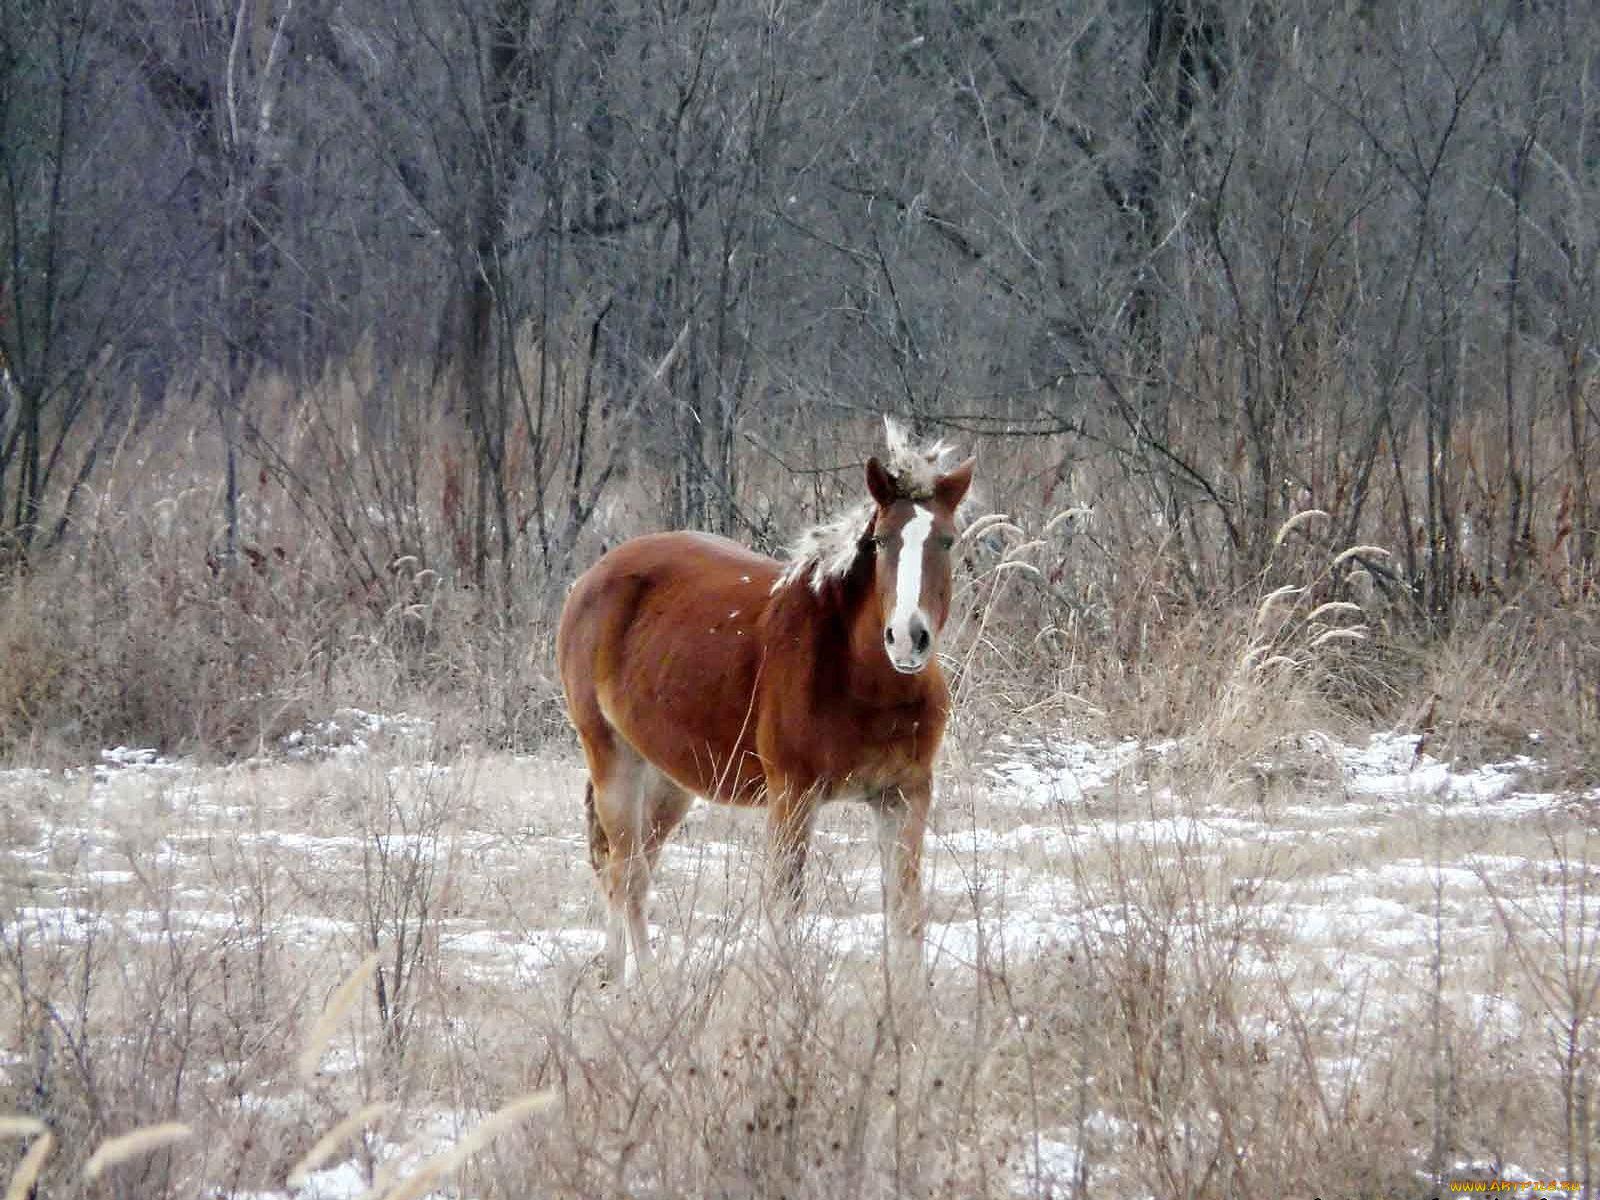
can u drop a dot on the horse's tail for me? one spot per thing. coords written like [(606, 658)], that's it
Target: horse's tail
[(599, 844)]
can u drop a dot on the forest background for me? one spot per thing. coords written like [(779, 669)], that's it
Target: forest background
[(339, 336)]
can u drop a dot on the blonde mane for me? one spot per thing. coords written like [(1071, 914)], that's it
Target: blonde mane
[(826, 550)]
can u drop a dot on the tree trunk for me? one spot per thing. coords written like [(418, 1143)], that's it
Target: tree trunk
[(485, 377), (1578, 435)]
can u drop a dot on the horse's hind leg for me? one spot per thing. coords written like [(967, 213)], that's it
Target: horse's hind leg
[(659, 805), (599, 844), (634, 809), (666, 804), (613, 821), (600, 847)]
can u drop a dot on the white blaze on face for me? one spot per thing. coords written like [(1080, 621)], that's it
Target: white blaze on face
[(907, 619)]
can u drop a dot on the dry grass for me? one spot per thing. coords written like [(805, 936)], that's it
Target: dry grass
[(135, 1144), (135, 632), (1156, 986), (1081, 595), (1208, 967)]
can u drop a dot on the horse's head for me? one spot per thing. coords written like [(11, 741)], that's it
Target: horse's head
[(913, 534)]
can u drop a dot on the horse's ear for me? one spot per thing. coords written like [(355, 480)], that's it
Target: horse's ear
[(879, 484), (951, 489)]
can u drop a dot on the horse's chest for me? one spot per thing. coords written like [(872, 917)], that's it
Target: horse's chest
[(849, 749), (893, 732)]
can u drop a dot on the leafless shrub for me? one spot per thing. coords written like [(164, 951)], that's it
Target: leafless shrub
[(1553, 936), (409, 856)]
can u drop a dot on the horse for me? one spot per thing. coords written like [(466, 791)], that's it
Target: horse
[(694, 666)]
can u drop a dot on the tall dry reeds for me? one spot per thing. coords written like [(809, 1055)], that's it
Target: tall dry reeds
[(1090, 591)]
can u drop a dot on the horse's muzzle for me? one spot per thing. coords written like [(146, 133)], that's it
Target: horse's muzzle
[(910, 649)]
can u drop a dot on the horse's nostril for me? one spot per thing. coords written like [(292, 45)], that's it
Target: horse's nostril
[(888, 637), (920, 640)]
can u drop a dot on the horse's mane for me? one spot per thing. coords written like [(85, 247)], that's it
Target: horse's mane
[(828, 550)]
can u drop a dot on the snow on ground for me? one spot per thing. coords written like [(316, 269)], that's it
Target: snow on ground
[(1360, 870), (350, 732), (1051, 1168), (1391, 766), (1045, 771)]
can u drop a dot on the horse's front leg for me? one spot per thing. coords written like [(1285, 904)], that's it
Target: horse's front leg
[(902, 824), (791, 811)]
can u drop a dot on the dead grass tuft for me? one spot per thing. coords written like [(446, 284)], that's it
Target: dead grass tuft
[(345, 997), (131, 1145), (31, 1167)]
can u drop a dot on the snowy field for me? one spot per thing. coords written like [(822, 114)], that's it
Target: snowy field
[(1368, 915)]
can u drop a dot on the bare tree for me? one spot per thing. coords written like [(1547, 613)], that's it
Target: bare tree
[(76, 262), (1256, 257)]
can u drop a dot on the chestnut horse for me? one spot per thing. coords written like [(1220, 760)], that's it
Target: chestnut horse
[(693, 666)]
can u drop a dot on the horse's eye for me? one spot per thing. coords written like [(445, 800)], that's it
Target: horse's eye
[(945, 541)]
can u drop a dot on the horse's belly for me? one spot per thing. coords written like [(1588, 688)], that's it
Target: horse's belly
[(686, 703), (707, 760)]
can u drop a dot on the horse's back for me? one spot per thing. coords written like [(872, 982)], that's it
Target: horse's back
[(659, 642), (708, 555), (657, 570)]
